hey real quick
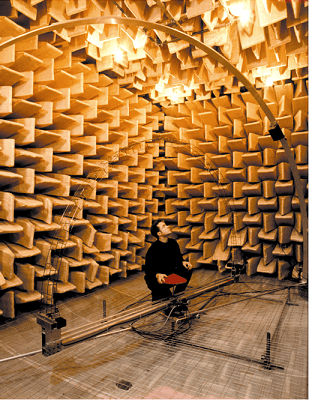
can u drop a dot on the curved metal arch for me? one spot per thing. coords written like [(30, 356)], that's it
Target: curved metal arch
[(115, 20)]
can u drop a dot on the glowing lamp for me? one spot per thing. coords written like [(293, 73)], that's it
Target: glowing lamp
[(269, 81), (245, 16), (174, 97), (236, 7), (140, 41), (118, 54)]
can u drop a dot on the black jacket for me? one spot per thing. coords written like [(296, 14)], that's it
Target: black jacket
[(162, 258)]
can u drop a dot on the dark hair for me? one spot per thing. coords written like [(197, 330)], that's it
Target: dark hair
[(154, 229)]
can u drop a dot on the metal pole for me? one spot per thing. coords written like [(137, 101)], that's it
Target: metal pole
[(32, 353), (104, 308)]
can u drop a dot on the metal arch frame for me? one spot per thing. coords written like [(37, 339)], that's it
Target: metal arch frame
[(115, 20)]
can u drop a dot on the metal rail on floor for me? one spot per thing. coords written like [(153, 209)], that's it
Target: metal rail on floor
[(53, 341), (83, 333), (265, 358), (226, 353)]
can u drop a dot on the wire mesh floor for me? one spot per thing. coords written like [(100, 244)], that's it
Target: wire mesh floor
[(216, 356)]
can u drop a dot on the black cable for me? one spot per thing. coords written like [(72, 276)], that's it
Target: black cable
[(159, 336), (155, 333), (135, 328), (140, 301), (176, 332)]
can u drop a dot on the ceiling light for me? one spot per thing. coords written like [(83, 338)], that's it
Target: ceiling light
[(236, 7), (140, 40), (245, 16), (118, 55), (174, 97), (241, 9), (175, 94), (269, 81)]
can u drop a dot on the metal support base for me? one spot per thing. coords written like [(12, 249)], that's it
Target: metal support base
[(51, 332)]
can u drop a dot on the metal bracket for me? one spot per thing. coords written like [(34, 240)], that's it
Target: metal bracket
[(51, 332), (275, 132), (266, 357)]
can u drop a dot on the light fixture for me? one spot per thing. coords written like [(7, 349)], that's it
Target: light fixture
[(174, 97), (236, 7), (140, 40), (118, 55), (245, 16), (241, 9), (174, 94), (269, 81)]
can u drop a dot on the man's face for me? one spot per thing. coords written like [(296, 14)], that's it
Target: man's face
[(164, 229)]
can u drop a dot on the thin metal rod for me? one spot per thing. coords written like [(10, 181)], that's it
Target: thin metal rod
[(40, 351), (251, 297), (271, 334), (267, 355), (104, 308), (21, 355)]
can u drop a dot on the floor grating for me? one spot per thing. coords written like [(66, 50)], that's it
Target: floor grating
[(217, 356)]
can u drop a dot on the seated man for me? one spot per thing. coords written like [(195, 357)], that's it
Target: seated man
[(162, 259)]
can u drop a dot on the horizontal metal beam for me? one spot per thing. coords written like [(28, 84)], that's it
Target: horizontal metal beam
[(89, 330)]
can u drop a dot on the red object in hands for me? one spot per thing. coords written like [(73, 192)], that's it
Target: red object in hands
[(174, 279)]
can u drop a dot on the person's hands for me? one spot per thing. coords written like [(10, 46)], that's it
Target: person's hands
[(187, 264), (160, 278)]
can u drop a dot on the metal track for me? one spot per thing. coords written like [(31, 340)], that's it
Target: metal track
[(86, 331)]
